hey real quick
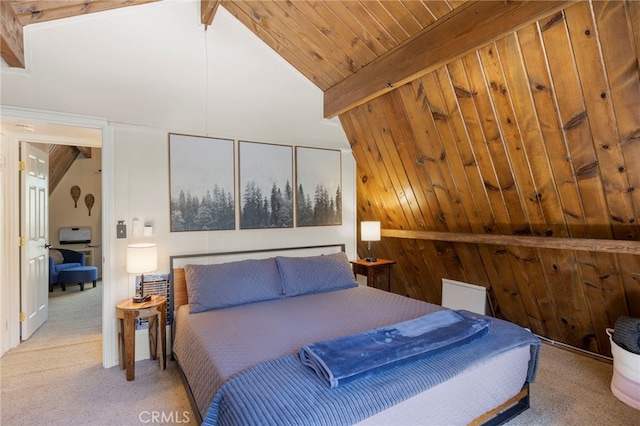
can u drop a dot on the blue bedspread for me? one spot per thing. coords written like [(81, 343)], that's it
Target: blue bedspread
[(285, 392), (356, 356)]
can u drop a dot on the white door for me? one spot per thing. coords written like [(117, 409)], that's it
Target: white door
[(34, 280)]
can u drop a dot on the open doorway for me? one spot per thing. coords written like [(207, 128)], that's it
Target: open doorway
[(9, 232), (83, 165)]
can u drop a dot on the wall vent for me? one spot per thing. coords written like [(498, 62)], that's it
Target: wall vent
[(459, 295)]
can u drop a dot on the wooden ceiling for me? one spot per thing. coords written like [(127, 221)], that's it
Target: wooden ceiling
[(498, 142)]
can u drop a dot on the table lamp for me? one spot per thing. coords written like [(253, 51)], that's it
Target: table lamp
[(370, 231), (142, 258)]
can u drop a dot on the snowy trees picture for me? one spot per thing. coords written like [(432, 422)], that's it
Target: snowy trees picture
[(266, 187), (318, 187), (274, 191), (201, 174)]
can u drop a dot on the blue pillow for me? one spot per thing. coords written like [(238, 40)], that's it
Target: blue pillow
[(234, 283), (315, 274)]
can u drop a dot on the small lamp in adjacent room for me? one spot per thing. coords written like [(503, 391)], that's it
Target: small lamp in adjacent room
[(141, 259), (370, 231)]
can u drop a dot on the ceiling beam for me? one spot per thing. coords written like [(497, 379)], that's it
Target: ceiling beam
[(464, 30), (85, 150), (208, 10), (11, 40), (34, 11)]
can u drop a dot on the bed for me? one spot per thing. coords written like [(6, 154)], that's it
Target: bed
[(243, 320)]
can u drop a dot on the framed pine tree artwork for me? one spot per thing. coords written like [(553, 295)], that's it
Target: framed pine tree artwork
[(318, 187), (202, 183), (266, 185)]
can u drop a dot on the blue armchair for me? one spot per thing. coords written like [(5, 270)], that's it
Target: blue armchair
[(60, 260)]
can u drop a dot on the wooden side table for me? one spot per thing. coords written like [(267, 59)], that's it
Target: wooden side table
[(127, 311), (374, 270)]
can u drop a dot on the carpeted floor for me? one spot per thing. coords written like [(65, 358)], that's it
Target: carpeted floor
[(574, 389), (56, 378)]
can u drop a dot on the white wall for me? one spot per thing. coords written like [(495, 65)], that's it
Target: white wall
[(150, 70)]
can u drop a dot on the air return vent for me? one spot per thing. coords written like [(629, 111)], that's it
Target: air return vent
[(459, 295)]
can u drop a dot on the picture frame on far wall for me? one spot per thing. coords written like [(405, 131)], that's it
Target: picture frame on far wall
[(318, 187), (202, 183), (266, 185)]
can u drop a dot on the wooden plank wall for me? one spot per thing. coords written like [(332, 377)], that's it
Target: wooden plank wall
[(535, 134)]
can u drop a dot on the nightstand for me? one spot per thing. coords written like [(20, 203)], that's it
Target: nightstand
[(381, 268), (127, 311)]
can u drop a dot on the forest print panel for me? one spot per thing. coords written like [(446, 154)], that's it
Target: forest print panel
[(266, 185), (318, 187), (201, 180)]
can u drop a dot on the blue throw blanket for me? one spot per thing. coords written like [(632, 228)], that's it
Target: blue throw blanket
[(360, 355), (283, 391)]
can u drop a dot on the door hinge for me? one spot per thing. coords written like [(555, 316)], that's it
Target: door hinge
[(21, 166), (21, 241), (22, 317)]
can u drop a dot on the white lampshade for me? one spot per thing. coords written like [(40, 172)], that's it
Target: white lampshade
[(142, 258), (370, 231)]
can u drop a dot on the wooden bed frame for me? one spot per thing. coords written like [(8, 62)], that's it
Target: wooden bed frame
[(178, 297)]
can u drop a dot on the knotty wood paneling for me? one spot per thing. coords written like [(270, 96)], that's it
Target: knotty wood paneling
[(534, 134), (455, 34), (331, 40)]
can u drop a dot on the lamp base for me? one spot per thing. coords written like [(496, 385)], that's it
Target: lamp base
[(371, 259), (140, 299)]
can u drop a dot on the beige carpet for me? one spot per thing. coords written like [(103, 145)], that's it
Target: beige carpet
[(56, 378), (574, 389)]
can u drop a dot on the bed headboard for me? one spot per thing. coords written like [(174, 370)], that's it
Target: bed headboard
[(178, 286)]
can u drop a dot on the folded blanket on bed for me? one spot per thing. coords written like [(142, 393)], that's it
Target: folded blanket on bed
[(360, 355)]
